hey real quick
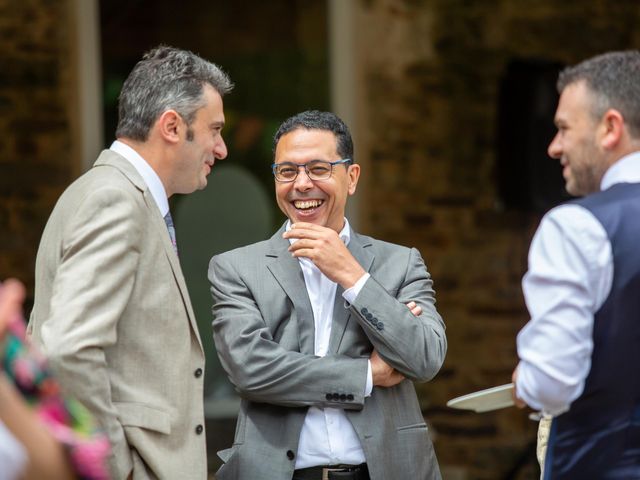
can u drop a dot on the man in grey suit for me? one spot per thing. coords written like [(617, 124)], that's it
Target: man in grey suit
[(313, 329), (112, 311)]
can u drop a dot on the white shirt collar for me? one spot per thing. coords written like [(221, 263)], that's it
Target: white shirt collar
[(625, 170), (147, 173), (345, 233)]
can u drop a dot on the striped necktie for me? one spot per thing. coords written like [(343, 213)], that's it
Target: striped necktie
[(172, 231)]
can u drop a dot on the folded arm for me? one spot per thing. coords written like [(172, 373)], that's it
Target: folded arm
[(414, 345), (264, 371)]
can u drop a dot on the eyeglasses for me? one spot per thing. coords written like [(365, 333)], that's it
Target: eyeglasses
[(315, 169)]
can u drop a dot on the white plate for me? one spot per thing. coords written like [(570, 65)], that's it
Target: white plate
[(485, 400)]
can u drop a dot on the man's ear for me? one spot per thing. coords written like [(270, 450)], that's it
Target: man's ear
[(353, 173), (612, 129), (169, 125)]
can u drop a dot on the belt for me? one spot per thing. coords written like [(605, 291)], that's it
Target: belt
[(333, 472)]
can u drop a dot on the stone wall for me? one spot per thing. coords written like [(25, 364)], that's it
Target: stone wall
[(431, 71), (36, 148)]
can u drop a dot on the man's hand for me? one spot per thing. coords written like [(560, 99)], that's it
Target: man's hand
[(383, 375), (514, 394), (327, 251), (415, 308)]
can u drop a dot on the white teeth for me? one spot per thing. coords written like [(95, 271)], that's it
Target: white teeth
[(303, 205)]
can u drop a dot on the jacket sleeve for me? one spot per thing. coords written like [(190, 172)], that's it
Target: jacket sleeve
[(415, 346), (92, 287), (262, 370)]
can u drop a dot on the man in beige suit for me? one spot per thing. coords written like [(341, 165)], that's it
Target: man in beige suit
[(112, 310)]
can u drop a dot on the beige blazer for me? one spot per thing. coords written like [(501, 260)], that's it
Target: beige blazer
[(113, 314)]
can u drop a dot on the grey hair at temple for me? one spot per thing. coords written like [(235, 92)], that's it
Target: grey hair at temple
[(612, 78), (166, 78)]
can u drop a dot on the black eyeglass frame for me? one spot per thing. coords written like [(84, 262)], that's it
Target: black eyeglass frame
[(274, 166)]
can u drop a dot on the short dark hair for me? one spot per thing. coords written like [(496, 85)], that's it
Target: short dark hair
[(166, 78), (317, 120), (614, 80)]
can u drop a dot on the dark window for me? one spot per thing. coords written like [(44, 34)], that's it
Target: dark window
[(528, 179)]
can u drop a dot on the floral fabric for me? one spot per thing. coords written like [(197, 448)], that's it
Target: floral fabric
[(68, 420)]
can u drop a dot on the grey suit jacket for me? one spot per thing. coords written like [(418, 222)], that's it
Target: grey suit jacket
[(263, 329), (113, 314)]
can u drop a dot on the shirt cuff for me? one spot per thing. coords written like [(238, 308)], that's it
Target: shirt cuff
[(369, 386), (538, 393), (350, 294)]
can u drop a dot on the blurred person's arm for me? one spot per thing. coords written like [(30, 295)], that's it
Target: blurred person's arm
[(46, 456)]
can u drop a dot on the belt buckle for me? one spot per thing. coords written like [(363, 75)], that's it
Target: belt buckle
[(325, 472)]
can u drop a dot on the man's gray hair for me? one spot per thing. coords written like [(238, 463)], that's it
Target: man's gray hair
[(614, 80), (166, 78)]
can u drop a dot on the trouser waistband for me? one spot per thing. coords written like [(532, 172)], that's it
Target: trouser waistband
[(333, 472)]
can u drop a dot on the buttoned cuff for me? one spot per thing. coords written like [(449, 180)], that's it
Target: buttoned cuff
[(350, 294)]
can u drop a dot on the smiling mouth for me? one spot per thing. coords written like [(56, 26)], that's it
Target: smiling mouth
[(307, 204)]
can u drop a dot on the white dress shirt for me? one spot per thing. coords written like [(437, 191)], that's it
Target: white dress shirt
[(327, 436), (569, 278), (13, 456), (148, 174)]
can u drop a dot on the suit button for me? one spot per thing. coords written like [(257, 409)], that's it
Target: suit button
[(336, 396), (364, 311), (198, 373), (368, 316), (290, 455), (380, 326), (199, 429), (350, 397), (329, 396), (343, 397)]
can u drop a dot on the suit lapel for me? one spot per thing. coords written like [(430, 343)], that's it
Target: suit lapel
[(163, 235), (112, 159), (287, 272), (341, 315)]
